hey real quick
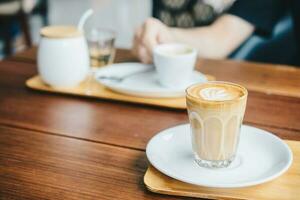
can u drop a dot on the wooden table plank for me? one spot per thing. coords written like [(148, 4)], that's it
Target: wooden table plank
[(39, 166), (77, 150), (30, 55), (261, 77), (119, 123)]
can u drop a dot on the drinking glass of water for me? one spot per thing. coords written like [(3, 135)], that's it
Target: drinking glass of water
[(101, 50), (101, 46)]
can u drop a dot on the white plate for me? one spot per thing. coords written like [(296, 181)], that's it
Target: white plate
[(143, 82), (261, 157)]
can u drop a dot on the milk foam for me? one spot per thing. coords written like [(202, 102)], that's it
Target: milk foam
[(216, 94)]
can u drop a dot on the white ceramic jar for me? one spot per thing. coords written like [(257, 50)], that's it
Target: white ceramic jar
[(63, 59)]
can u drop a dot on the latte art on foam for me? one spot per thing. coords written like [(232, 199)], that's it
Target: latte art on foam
[(216, 111), (216, 94)]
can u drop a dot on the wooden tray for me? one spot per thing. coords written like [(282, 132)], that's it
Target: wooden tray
[(286, 186), (99, 91)]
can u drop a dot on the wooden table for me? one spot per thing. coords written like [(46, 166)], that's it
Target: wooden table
[(61, 147)]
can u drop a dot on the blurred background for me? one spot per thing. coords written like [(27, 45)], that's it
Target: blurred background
[(21, 20)]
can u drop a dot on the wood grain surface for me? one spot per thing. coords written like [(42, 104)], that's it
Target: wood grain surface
[(52, 145), (119, 123), (41, 166), (264, 78), (30, 56), (260, 77)]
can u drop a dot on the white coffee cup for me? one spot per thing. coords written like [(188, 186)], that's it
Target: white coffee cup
[(174, 64), (63, 59)]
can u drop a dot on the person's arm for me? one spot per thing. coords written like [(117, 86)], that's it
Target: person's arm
[(214, 41), (217, 40)]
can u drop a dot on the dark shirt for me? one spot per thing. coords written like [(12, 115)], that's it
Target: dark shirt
[(295, 10), (263, 14)]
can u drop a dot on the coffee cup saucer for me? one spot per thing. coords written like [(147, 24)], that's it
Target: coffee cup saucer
[(139, 79), (261, 157)]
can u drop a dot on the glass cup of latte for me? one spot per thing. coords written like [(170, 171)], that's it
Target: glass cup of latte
[(216, 110)]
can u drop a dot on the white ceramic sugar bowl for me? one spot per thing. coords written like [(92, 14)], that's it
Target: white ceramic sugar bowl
[(63, 59)]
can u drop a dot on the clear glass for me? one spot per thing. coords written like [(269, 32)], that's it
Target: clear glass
[(101, 51), (101, 46), (215, 126)]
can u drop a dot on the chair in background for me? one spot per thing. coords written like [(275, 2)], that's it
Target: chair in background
[(11, 13), (14, 18)]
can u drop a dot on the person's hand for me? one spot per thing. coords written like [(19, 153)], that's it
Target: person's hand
[(150, 34)]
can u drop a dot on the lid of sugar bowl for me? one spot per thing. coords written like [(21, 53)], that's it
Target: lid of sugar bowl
[(60, 32)]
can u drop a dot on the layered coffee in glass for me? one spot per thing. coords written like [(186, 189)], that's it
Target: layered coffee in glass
[(216, 110)]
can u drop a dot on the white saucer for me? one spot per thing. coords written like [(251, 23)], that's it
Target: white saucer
[(261, 157), (143, 82)]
